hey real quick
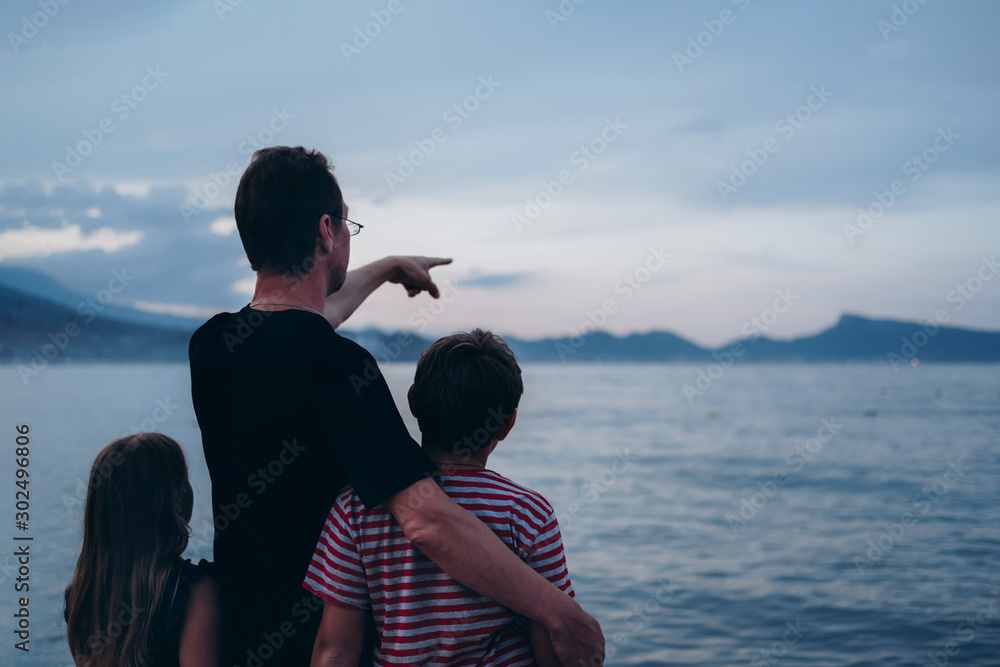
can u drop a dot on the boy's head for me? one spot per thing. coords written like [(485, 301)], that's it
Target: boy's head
[(465, 392)]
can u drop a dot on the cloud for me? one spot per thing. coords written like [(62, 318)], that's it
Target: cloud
[(223, 226), (245, 286), (177, 309), (496, 280), (31, 241), (133, 188), (175, 263)]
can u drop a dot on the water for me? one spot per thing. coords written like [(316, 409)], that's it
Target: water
[(650, 489)]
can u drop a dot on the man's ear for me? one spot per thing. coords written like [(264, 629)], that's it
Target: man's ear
[(502, 433), (409, 400), (326, 233)]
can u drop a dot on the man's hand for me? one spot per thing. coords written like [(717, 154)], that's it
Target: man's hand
[(578, 640), (413, 273)]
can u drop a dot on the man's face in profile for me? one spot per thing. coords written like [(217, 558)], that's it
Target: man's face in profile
[(341, 255)]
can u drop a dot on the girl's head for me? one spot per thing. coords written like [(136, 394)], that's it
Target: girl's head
[(135, 527), (139, 488)]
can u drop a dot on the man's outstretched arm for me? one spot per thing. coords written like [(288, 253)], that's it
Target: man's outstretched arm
[(464, 547), (413, 273)]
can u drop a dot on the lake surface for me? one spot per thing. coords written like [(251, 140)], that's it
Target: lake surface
[(793, 514)]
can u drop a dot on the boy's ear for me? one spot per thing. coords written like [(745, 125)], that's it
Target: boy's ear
[(502, 433), (409, 400)]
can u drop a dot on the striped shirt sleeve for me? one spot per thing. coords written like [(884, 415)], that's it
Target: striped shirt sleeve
[(336, 572), (547, 557)]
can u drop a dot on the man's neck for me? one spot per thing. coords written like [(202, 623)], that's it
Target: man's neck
[(305, 290)]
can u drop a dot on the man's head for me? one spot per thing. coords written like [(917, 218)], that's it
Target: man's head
[(465, 392), (288, 212)]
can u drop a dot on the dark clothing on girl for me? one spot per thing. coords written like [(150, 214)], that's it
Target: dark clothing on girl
[(166, 640)]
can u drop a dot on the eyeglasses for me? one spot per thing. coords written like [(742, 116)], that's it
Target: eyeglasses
[(353, 227)]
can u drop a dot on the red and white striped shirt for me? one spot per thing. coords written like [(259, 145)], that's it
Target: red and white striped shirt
[(424, 617)]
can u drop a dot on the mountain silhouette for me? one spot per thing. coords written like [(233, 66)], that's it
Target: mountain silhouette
[(37, 331)]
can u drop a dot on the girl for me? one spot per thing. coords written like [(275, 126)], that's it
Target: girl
[(132, 601)]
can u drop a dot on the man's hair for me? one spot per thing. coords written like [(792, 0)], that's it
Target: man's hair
[(282, 195), (467, 385)]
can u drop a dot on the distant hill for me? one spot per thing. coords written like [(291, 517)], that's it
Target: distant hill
[(37, 331), (856, 338), (35, 283), (601, 346)]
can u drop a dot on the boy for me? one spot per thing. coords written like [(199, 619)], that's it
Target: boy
[(464, 396)]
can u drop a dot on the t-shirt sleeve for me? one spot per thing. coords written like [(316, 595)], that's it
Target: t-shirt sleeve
[(336, 572), (378, 456), (547, 557)]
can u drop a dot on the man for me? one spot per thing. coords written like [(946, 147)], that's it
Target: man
[(286, 424)]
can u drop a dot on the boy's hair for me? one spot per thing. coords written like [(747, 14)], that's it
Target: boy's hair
[(281, 197), (466, 388)]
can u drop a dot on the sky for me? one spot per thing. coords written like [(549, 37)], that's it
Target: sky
[(636, 165)]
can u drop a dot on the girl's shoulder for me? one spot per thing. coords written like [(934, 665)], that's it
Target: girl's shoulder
[(189, 576), (176, 598), (191, 572)]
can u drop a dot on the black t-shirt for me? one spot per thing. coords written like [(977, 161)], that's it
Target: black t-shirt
[(290, 412), (165, 639)]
